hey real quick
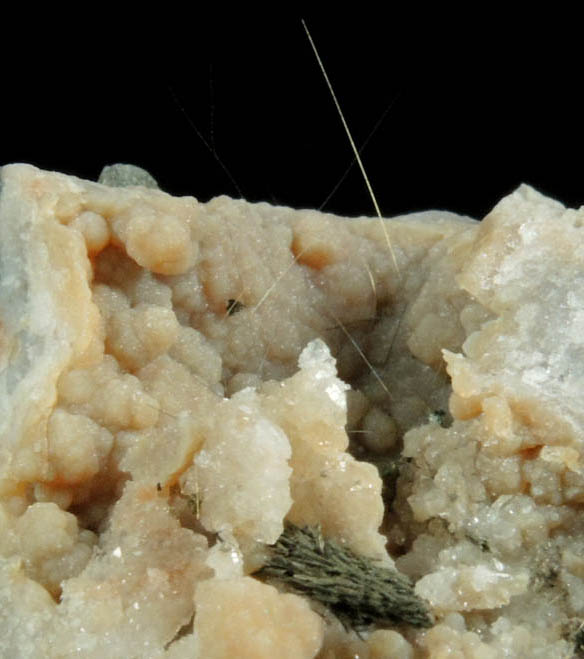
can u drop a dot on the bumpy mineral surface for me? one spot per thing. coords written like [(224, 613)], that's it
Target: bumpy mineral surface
[(178, 380)]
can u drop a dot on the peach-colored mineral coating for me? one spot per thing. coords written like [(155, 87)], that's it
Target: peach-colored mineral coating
[(246, 618), (116, 352), (152, 442)]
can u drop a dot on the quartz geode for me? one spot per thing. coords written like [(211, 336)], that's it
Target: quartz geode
[(178, 379)]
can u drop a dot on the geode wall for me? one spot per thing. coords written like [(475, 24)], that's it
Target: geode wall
[(179, 379)]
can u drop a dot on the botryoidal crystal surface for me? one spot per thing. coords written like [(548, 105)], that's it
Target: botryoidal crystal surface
[(181, 380)]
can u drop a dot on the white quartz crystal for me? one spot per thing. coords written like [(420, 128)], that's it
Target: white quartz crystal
[(241, 472)]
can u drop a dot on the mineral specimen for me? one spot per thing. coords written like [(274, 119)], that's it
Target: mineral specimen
[(359, 592), (179, 381)]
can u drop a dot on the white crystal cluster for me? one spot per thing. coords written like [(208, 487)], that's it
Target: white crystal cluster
[(178, 380)]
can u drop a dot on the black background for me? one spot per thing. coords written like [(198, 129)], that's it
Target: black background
[(465, 117)]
